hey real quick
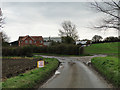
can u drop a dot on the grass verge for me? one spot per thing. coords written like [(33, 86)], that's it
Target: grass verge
[(33, 77), (109, 68)]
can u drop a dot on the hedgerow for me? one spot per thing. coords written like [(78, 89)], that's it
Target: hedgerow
[(65, 49)]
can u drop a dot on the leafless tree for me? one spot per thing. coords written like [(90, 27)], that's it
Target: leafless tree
[(1, 19), (0, 26), (112, 10), (3, 36), (69, 30)]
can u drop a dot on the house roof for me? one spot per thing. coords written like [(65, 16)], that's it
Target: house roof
[(22, 38)]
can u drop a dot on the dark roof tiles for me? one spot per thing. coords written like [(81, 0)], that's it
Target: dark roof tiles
[(36, 38)]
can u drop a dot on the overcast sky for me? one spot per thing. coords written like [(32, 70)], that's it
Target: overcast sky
[(44, 19)]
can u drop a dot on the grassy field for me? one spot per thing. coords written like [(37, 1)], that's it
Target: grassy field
[(103, 48), (33, 77), (109, 67)]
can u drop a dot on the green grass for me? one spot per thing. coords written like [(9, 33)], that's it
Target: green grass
[(109, 67), (103, 48), (31, 78), (59, 54)]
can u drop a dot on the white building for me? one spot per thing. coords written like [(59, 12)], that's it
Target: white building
[(48, 40), (56, 39)]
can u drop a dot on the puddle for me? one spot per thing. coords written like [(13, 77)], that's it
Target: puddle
[(57, 73)]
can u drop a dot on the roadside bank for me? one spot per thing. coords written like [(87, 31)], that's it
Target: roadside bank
[(33, 77)]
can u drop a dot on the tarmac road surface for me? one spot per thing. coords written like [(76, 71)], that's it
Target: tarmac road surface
[(72, 73)]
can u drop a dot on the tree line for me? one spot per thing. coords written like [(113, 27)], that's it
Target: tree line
[(99, 39)]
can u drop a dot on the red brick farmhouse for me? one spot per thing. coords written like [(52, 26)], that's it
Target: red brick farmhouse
[(30, 40)]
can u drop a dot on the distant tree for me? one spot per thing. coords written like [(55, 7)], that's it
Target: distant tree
[(111, 38), (112, 10), (69, 30), (97, 38)]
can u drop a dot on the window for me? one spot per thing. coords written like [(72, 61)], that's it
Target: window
[(34, 41), (40, 41), (30, 41), (26, 41)]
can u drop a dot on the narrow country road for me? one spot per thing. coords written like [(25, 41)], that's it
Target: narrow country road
[(72, 73)]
